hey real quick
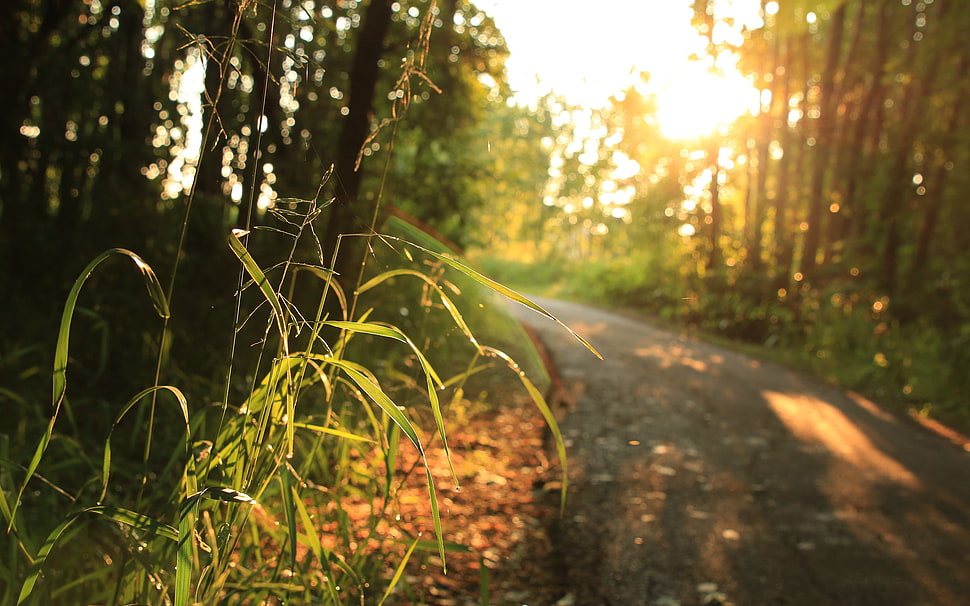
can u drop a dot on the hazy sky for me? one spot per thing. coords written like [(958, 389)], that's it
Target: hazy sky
[(587, 50)]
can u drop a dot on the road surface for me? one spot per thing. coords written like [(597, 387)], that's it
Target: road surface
[(702, 476)]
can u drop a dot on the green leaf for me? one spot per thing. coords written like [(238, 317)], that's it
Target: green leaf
[(543, 406), (184, 556), (290, 494), (375, 393), (398, 573), (183, 408), (436, 518), (445, 300), (159, 301), (254, 271), (450, 546), (34, 573), (136, 520), (370, 328), (124, 516), (434, 382), (333, 432)]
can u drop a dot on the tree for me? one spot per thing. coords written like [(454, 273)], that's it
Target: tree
[(100, 135)]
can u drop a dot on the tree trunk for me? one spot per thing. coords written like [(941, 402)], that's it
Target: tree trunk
[(789, 168), (825, 131), (863, 145), (766, 120), (714, 227), (936, 183), (912, 119), (345, 214)]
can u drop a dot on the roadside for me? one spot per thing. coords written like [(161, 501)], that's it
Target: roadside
[(698, 476), (508, 502)]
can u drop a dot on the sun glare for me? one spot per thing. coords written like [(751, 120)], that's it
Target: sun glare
[(698, 102), (575, 55)]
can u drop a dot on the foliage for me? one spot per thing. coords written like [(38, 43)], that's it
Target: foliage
[(235, 502), (842, 187), (103, 109), (160, 496)]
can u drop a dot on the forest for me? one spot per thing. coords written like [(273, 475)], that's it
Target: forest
[(293, 181), (826, 225)]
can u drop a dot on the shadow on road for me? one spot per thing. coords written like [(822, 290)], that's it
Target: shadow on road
[(701, 476)]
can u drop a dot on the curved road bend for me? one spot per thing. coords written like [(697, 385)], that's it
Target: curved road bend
[(702, 476)]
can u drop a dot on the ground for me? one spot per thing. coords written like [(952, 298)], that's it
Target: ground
[(702, 476), (509, 498), (698, 476)]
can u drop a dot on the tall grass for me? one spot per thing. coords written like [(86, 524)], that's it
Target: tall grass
[(233, 513), (280, 495)]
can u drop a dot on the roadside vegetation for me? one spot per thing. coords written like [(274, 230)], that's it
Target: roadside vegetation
[(230, 419), (826, 225)]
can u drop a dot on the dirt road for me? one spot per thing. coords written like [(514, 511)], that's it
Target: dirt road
[(701, 476)]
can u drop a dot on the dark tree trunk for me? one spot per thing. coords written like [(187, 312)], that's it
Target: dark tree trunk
[(766, 122), (346, 216), (863, 144), (936, 182), (23, 228), (912, 119), (714, 259), (826, 129), (789, 168)]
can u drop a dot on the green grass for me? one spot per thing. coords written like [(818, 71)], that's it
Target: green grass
[(275, 483), (226, 502)]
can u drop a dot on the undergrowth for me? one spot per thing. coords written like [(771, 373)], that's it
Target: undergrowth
[(847, 332), (279, 492)]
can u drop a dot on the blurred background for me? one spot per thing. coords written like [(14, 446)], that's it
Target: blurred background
[(788, 174)]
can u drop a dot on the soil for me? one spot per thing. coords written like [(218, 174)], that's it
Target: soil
[(699, 476)]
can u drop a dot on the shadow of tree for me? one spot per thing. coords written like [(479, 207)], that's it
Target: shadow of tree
[(702, 476)]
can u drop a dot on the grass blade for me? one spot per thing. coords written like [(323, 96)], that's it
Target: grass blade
[(41, 556), (254, 271), (186, 535), (375, 393), (59, 387), (183, 408), (484, 581), (398, 573), (333, 432), (436, 518), (434, 382), (499, 288), (543, 406), (445, 300), (290, 494), (136, 520), (184, 557), (390, 455), (130, 518)]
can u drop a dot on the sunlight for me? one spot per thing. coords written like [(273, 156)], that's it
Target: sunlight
[(699, 102), (816, 422), (184, 139), (586, 62), (588, 54)]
